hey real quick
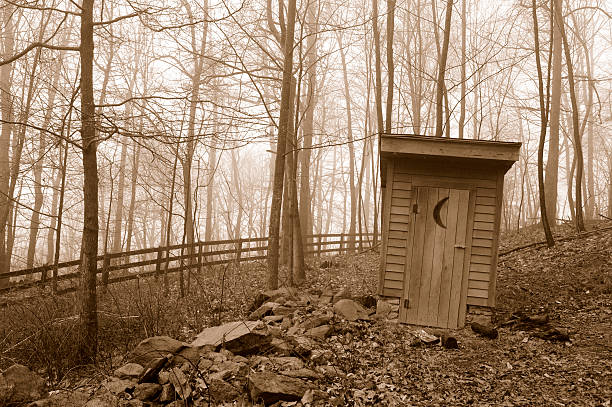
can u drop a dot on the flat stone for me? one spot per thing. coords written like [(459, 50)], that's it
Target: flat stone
[(18, 384), (147, 391), (322, 331), (302, 374), (263, 311), (155, 347), (118, 386), (383, 308), (315, 321), (287, 362), (269, 388), (129, 371), (221, 391), (239, 337), (344, 293), (350, 310), (273, 318)]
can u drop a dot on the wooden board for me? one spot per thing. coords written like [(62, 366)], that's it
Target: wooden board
[(437, 263)]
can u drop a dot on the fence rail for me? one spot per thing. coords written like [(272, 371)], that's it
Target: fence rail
[(156, 261)]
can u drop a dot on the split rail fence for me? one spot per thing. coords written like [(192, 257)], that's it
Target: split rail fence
[(162, 261)]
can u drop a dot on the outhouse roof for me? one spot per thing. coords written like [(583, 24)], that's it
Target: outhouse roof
[(464, 151)]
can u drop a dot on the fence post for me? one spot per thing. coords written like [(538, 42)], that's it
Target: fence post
[(158, 262), (105, 265), (200, 245), (319, 244), (341, 243), (238, 255)]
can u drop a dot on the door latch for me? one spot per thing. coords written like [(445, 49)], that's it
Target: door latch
[(406, 303), (415, 208), (459, 246)]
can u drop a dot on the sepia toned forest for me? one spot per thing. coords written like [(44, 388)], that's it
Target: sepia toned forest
[(130, 125)]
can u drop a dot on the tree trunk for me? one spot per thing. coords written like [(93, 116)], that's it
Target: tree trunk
[(552, 163), (284, 125), (575, 124), (544, 106), (390, 67), (6, 111), (351, 147), (378, 68), (463, 65), (89, 249), (440, 86)]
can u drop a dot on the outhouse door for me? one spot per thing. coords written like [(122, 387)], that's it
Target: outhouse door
[(437, 248)]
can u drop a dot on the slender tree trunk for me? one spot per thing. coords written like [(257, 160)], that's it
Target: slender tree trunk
[(575, 123), (463, 66), (6, 129), (284, 124), (133, 188), (552, 163), (378, 68), (88, 303), (390, 65), (544, 105), (351, 147), (440, 86)]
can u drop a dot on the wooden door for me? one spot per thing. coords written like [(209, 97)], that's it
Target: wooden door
[(435, 260)]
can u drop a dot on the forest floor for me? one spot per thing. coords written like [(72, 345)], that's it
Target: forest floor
[(571, 283)]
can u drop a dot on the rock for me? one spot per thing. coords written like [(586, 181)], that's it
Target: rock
[(221, 391), (284, 310), (286, 292), (287, 322), (552, 334), (350, 310), (63, 399), (146, 391), (484, 330), (273, 318), (167, 393), (303, 345), (263, 311), (368, 301), (18, 384), (155, 347), (118, 386), (240, 337), (449, 342), (345, 293), (315, 321), (313, 395), (383, 308), (281, 346), (258, 301), (321, 356), (322, 331), (269, 388), (331, 372), (163, 377), (151, 371), (425, 338), (129, 371), (287, 362), (179, 382), (103, 400), (301, 374)]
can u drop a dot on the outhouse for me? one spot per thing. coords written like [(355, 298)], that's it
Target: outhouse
[(442, 201)]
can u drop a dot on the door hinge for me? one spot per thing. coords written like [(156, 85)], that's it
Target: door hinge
[(406, 303), (415, 208)]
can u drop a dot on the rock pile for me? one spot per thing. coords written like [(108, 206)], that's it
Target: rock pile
[(275, 357)]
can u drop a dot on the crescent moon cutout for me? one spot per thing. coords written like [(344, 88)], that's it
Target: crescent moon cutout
[(436, 212)]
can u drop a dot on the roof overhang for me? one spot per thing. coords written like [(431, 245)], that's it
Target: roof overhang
[(460, 152)]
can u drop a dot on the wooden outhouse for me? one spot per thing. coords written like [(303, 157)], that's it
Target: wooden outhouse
[(442, 202)]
